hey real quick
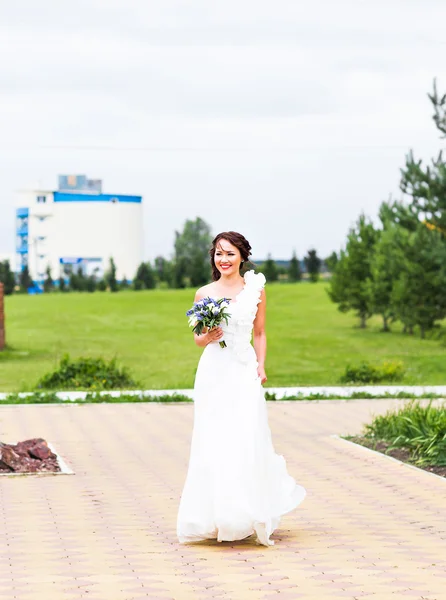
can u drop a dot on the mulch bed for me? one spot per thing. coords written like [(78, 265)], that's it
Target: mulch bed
[(399, 453)]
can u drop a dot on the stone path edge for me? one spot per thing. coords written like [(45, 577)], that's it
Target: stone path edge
[(280, 392)]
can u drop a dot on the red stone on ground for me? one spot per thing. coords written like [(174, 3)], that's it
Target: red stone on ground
[(29, 456)]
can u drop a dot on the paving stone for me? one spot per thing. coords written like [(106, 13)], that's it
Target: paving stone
[(369, 528)]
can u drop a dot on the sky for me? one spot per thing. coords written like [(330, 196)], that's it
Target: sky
[(282, 119)]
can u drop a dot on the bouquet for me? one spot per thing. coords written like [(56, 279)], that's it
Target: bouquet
[(208, 313)]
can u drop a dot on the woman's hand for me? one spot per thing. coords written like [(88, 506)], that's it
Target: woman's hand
[(214, 335), (261, 373)]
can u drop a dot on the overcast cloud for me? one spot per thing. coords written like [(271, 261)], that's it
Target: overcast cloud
[(283, 120)]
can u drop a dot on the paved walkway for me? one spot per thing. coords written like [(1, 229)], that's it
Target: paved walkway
[(370, 528)]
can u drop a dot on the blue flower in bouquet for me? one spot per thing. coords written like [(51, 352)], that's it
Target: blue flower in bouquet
[(208, 312)]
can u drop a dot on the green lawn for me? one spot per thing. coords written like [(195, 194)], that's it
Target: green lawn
[(309, 341)]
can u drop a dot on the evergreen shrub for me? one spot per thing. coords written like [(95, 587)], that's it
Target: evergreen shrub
[(389, 371), (87, 373)]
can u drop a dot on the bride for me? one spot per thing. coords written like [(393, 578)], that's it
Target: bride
[(236, 484)]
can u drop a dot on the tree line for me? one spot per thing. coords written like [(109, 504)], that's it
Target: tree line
[(398, 269), (188, 267)]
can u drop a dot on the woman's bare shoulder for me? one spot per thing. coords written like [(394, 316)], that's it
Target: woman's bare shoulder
[(204, 291)]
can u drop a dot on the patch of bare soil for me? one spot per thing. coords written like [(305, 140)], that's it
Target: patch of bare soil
[(399, 453)]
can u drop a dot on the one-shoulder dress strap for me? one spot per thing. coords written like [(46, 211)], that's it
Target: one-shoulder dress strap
[(254, 284)]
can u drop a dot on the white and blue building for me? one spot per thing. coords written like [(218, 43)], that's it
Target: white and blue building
[(78, 226)]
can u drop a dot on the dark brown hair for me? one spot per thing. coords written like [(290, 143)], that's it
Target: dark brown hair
[(237, 240)]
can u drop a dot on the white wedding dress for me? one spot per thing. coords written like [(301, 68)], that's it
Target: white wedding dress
[(236, 484)]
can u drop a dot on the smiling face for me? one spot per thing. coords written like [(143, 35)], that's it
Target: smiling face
[(227, 258)]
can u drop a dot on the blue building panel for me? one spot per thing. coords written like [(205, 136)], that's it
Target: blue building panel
[(22, 212), (76, 260), (73, 197)]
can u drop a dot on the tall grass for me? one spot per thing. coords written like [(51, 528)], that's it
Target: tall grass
[(417, 428)]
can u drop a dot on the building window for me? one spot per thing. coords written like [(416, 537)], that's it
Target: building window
[(41, 199)]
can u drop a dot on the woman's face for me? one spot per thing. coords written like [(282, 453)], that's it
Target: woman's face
[(227, 258)]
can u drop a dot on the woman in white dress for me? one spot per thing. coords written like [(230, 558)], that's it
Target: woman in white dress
[(236, 484)]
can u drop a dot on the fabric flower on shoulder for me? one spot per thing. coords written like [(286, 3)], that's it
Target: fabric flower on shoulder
[(257, 280)]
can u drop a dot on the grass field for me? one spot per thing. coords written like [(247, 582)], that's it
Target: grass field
[(309, 341)]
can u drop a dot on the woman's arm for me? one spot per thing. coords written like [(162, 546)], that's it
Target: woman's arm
[(260, 336)]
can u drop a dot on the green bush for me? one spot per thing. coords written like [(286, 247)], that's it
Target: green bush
[(437, 334), (87, 373), (367, 373), (419, 429)]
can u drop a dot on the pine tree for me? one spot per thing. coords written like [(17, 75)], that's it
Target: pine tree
[(110, 277), (25, 280), (331, 262), (48, 284), (426, 185), (294, 270), (79, 281), (145, 277), (313, 265), (439, 104), (269, 269), (416, 294), (7, 277), (62, 284), (163, 270), (348, 284), (124, 284), (419, 294), (386, 263), (72, 282), (179, 273), (91, 284)]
